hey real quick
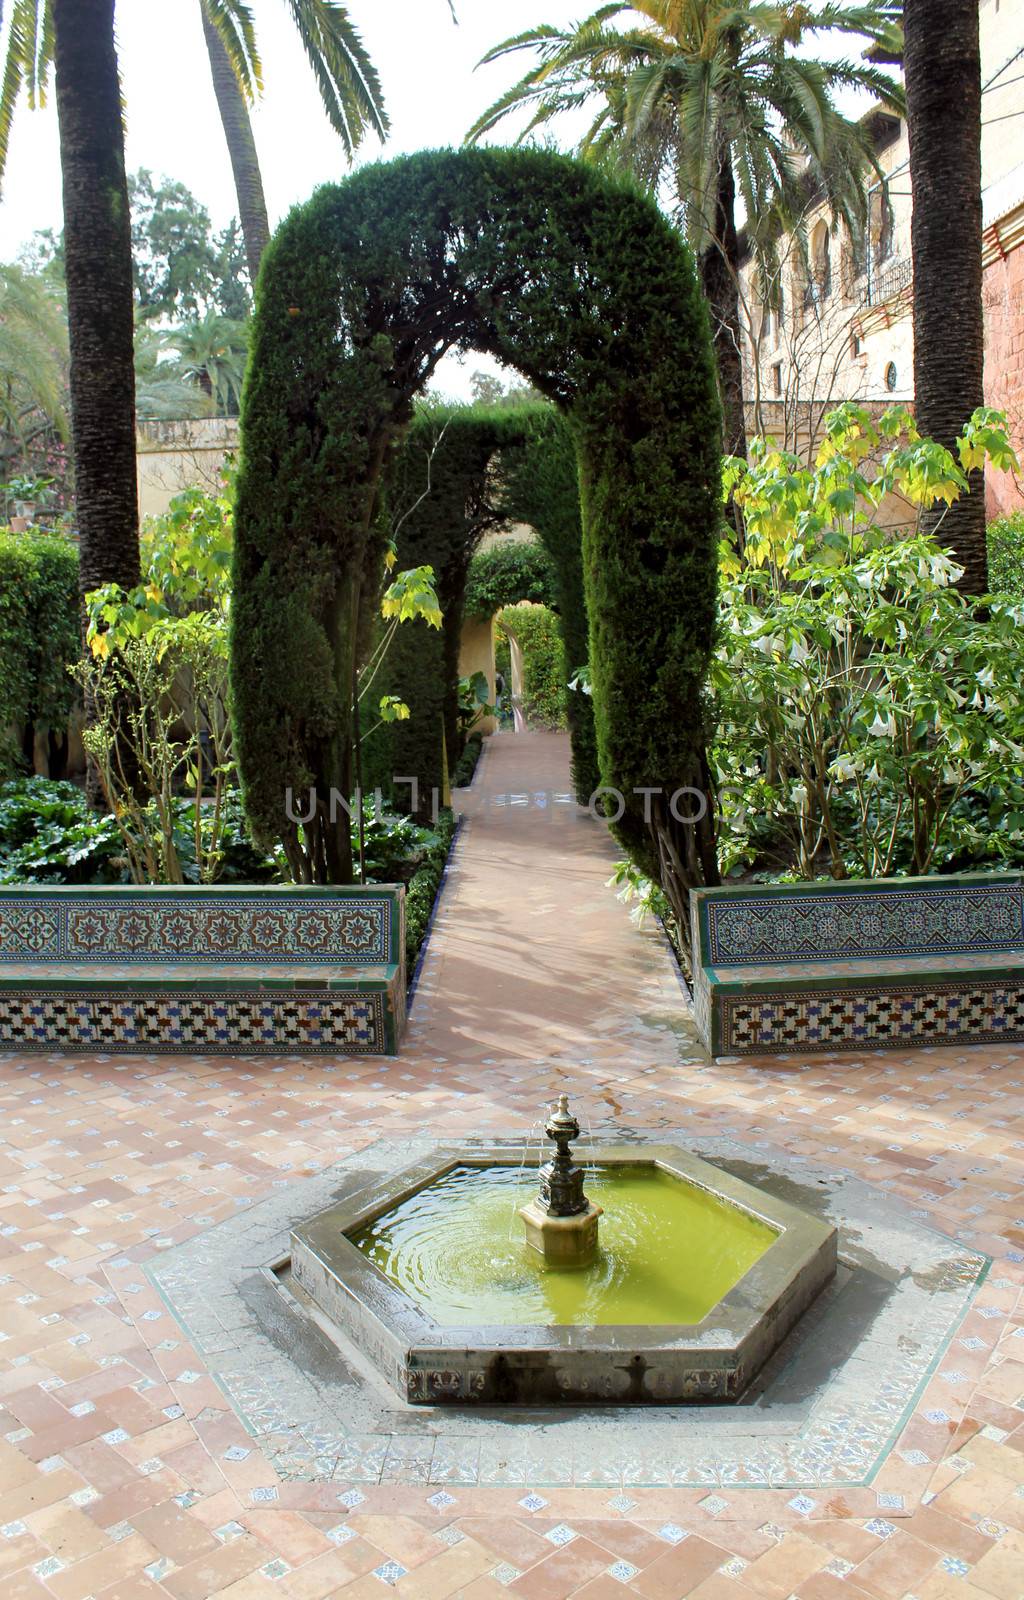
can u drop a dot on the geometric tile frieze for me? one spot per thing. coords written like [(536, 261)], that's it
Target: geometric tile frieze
[(855, 1018), (195, 926), (922, 917), (220, 1023), (826, 1411), (896, 961)]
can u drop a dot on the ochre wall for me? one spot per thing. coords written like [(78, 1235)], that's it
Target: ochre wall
[(476, 654)]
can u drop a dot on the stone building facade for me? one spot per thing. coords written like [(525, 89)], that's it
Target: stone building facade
[(844, 329)]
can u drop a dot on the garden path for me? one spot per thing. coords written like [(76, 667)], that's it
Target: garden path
[(126, 1475), (532, 956)]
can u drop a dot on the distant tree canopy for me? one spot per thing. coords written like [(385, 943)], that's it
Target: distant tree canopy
[(181, 268)]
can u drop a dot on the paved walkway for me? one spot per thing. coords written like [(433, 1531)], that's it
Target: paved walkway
[(533, 958), (125, 1475)]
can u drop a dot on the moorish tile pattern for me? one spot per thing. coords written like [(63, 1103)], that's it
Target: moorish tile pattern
[(165, 923), (801, 966), (125, 1473), (219, 969), (876, 1333)]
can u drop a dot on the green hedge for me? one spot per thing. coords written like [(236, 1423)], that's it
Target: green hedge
[(422, 890), (572, 277), (1006, 554), (535, 630), (517, 569), (540, 485), (40, 635), (465, 767), (434, 505)]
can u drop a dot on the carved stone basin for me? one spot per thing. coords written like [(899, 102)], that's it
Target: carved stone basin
[(431, 1360)]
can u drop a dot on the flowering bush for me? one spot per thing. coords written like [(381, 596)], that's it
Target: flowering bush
[(870, 718)]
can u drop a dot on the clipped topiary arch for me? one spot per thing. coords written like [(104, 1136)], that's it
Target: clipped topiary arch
[(581, 285)]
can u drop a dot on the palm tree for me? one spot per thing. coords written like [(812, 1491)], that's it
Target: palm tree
[(942, 63), (211, 353), (346, 79), (33, 361), (75, 39), (162, 392), (709, 96)]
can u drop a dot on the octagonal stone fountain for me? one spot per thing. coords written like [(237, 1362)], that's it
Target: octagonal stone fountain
[(670, 1281)]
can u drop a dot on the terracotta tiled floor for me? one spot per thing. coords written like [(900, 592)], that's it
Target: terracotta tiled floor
[(123, 1473)]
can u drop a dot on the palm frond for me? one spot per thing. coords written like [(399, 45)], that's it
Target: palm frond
[(28, 63), (234, 23), (346, 77)]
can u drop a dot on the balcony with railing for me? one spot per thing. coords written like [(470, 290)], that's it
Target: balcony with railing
[(887, 280)]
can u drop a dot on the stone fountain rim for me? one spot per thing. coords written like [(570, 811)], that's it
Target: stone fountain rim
[(725, 1338)]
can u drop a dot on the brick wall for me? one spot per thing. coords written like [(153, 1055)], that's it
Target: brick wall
[(1004, 369)]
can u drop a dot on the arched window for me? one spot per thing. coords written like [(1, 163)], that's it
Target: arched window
[(821, 262), (881, 226)]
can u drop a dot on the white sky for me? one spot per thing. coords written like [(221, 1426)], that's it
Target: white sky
[(426, 64)]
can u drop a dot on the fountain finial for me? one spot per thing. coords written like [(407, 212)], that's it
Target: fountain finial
[(560, 1221), (561, 1183)]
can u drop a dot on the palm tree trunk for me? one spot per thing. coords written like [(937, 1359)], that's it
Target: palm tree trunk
[(942, 64), (245, 166), (719, 270), (98, 270)]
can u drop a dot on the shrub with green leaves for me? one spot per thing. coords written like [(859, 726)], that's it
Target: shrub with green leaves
[(421, 892), (506, 573), (573, 278), (40, 636), (1006, 554), (535, 630), (540, 486), (870, 719), (49, 835), (435, 510)]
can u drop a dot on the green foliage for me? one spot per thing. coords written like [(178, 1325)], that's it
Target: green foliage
[(156, 674), (33, 356), (181, 269), (1006, 554), (186, 550), (49, 835), (465, 767), (435, 509), (39, 630), (209, 352), (474, 703), (421, 892), (535, 630), (578, 283), (159, 728), (540, 486), (515, 570), (645, 899), (870, 719), (677, 89)]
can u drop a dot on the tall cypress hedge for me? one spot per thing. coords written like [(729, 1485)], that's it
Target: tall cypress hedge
[(576, 280), (540, 485), (40, 638), (435, 506)]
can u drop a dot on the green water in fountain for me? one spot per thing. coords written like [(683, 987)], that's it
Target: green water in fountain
[(668, 1250)]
